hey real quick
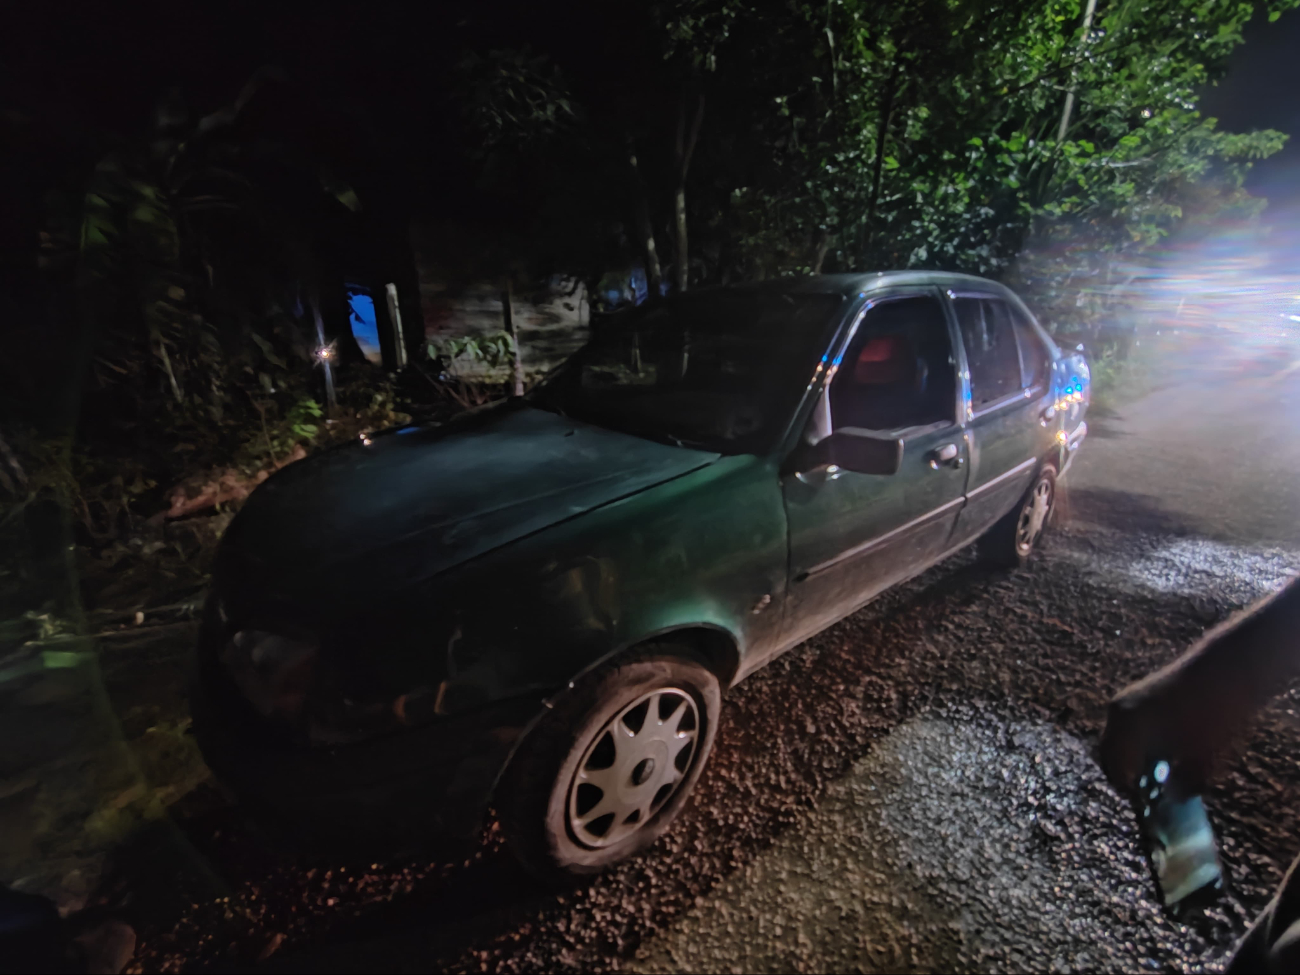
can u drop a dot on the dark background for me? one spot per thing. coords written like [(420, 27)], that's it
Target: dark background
[(1262, 90)]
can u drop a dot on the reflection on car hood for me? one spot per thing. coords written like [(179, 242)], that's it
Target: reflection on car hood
[(424, 499)]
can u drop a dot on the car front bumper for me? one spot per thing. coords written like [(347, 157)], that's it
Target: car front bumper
[(420, 788)]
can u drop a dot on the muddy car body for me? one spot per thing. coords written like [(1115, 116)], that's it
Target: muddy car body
[(538, 605)]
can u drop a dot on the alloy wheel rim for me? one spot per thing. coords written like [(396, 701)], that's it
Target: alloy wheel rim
[(1033, 516), (633, 766)]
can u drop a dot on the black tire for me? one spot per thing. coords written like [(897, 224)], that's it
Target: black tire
[(540, 799), (1015, 537)]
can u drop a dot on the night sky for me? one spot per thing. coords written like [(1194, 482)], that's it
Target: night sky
[(1262, 91)]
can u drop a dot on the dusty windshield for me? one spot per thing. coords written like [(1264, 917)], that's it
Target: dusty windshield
[(721, 371)]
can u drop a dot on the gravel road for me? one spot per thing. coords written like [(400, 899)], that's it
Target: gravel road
[(912, 790)]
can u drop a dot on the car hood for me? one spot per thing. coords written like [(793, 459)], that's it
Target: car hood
[(423, 499)]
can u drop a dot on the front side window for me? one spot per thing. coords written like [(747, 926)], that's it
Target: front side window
[(722, 370), (992, 352), (897, 371)]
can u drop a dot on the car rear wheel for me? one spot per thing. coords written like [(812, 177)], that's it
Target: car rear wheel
[(610, 766), (1017, 535)]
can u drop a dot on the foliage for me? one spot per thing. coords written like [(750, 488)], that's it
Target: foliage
[(838, 135), (470, 368), (537, 177), (1119, 378), (186, 260), (928, 136), (852, 135), (278, 438), (489, 352), (513, 98), (103, 498), (299, 420), (193, 255)]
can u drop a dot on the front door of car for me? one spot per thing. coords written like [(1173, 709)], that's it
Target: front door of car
[(852, 534), (1010, 389)]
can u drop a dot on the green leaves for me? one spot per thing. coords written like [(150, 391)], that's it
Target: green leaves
[(474, 352), (299, 419), (513, 98), (965, 132)]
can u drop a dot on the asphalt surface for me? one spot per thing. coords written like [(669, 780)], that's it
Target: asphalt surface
[(912, 790)]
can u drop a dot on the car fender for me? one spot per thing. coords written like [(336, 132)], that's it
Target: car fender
[(705, 553)]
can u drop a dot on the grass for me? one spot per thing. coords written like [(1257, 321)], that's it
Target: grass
[(1119, 380)]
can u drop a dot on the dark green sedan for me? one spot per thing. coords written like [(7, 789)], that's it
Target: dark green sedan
[(539, 605)]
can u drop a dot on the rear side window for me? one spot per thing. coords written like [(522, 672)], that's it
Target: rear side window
[(1034, 358), (992, 351)]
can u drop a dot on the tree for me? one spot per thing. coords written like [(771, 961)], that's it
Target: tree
[(926, 134), (199, 258)]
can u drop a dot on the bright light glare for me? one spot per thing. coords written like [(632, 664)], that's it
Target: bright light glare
[(1219, 297)]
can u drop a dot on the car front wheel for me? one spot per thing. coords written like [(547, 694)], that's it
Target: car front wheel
[(610, 766)]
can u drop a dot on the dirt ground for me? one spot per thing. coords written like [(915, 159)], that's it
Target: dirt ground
[(912, 790)]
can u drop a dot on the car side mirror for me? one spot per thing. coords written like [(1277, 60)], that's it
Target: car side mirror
[(855, 449)]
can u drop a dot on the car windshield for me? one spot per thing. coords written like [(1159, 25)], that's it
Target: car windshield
[(721, 371)]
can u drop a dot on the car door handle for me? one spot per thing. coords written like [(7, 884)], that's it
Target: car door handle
[(947, 454)]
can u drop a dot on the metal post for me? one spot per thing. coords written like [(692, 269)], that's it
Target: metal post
[(395, 316), (325, 353)]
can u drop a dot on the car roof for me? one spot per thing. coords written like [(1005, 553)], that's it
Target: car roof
[(852, 284), (861, 283), (848, 285)]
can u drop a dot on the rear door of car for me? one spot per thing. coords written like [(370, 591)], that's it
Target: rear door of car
[(851, 534), (1009, 388)]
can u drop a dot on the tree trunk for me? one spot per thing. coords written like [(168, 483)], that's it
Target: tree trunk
[(654, 276), (823, 245), (680, 266), (878, 165), (1069, 95), (508, 319), (685, 148)]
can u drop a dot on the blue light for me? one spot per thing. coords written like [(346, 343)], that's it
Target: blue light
[(365, 328)]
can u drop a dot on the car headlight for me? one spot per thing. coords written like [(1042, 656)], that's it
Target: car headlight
[(273, 671)]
